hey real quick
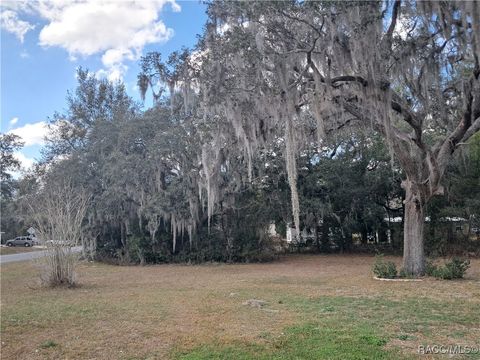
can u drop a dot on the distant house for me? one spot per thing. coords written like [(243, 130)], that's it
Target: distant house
[(388, 233), (452, 226)]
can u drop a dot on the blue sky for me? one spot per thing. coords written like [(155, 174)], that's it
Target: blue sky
[(43, 43)]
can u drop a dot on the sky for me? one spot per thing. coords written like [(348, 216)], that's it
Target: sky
[(44, 42)]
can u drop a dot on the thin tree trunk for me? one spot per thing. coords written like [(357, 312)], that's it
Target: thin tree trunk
[(413, 231), (122, 236), (317, 237)]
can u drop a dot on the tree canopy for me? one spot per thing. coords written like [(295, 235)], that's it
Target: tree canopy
[(311, 113)]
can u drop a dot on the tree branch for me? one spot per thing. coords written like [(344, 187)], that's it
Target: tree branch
[(393, 23), (468, 126)]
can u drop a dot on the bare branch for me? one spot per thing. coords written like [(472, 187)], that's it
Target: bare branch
[(393, 23)]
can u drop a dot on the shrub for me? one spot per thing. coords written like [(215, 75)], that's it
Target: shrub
[(454, 269), (59, 266), (384, 269), (430, 268)]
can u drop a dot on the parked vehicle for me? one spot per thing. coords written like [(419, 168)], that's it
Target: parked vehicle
[(26, 241)]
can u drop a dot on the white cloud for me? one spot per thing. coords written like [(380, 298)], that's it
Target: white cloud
[(10, 22), (13, 121), (17, 5), (25, 162), (114, 72), (32, 134), (119, 30)]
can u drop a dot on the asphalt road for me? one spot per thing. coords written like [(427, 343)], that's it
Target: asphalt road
[(29, 255)]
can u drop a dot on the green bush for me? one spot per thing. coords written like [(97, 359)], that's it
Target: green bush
[(430, 268), (454, 269), (384, 269)]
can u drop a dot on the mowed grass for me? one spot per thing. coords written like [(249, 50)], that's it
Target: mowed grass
[(318, 307)]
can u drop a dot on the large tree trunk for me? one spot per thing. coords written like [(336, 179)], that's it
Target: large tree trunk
[(413, 229)]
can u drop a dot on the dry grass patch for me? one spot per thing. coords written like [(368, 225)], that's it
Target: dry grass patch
[(7, 250), (157, 312)]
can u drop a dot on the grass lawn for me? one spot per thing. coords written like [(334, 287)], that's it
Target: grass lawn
[(4, 250), (318, 307)]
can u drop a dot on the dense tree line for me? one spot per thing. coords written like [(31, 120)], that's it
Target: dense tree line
[(406, 70), (324, 116)]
